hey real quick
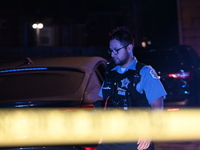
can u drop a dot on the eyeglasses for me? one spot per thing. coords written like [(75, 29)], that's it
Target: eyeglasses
[(116, 51)]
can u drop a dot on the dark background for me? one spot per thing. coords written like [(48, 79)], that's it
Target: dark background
[(88, 21)]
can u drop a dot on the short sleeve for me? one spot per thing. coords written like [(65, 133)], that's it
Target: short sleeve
[(150, 84)]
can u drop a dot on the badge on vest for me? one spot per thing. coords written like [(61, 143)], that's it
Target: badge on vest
[(125, 82)]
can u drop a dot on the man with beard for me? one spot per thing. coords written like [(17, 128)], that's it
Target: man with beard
[(130, 84)]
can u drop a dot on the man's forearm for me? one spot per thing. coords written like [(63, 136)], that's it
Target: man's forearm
[(158, 103)]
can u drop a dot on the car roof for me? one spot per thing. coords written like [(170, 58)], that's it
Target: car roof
[(85, 63)]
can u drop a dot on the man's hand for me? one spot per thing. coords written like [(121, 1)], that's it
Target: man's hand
[(143, 144)]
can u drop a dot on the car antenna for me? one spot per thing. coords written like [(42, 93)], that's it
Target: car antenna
[(28, 61)]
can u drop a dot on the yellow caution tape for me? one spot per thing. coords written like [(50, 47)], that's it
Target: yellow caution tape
[(35, 127)]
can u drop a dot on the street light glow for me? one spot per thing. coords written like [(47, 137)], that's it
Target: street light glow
[(40, 25), (144, 44), (34, 26), (37, 26)]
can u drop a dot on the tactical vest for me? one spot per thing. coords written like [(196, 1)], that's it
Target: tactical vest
[(119, 90)]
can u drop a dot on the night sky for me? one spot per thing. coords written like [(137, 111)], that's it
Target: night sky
[(154, 20)]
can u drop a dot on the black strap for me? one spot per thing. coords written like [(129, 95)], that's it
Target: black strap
[(137, 77), (139, 66)]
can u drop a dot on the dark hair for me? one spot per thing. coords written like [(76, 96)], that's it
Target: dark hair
[(123, 35)]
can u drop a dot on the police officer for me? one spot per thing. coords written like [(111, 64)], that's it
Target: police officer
[(129, 84)]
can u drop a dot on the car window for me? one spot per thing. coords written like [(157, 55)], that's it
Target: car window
[(190, 56), (38, 84)]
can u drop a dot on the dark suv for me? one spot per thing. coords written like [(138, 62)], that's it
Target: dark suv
[(179, 69)]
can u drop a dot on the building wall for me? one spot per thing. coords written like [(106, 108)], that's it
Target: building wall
[(189, 23)]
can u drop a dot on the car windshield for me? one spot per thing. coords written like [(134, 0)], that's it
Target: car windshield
[(38, 84)]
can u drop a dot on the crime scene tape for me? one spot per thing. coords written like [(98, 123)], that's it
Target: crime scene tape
[(35, 127)]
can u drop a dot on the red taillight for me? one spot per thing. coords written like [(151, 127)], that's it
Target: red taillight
[(180, 75), (88, 105), (90, 148)]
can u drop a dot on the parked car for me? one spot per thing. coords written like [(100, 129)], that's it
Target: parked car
[(179, 69), (52, 82)]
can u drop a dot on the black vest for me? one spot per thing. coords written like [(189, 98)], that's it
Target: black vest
[(120, 89)]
